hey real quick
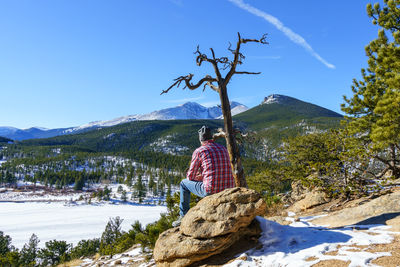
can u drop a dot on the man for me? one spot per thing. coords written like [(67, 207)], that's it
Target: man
[(210, 171)]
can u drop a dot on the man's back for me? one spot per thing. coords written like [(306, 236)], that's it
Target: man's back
[(211, 161)]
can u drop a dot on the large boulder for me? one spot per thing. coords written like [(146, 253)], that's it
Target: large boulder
[(223, 213), (174, 249), (302, 197), (211, 227), (310, 200)]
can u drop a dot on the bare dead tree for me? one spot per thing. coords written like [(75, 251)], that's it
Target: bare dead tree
[(219, 84)]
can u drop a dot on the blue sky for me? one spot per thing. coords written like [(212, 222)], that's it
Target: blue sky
[(68, 62)]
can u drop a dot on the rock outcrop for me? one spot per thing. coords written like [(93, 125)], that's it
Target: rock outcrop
[(377, 211), (212, 226), (303, 198)]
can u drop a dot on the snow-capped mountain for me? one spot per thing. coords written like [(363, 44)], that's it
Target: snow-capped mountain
[(187, 111), (275, 98)]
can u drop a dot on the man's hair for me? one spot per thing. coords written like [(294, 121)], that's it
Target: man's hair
[(205, 134)]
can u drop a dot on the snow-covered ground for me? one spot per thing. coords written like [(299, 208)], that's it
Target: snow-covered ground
[(298, 244), (304, 244), (69, 222), (10, 195)]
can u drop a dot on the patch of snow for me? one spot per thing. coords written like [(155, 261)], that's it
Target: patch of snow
[(292, 245), (9, 195), (167, 146), (275, 98), (56, 150)]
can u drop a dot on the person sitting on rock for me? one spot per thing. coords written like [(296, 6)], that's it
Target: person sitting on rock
[(210, 172)]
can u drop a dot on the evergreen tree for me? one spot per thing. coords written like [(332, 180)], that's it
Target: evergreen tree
[(152, 185), (55, 252), (79, 182), (106, 193), (5, 244), (111, 233), (374, 109), (123, 196), (29, 252), (120, 189), (140, 188)]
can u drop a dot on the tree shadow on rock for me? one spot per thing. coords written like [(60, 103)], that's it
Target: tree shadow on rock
[(380, 219)]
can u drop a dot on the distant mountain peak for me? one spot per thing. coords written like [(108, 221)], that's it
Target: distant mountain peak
[(186, 111), (189, 104), (276, 98)]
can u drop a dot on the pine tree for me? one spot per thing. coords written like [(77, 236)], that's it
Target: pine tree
[(374, 109), (123, 196), (29, 252), (5, 244), (111, 233)]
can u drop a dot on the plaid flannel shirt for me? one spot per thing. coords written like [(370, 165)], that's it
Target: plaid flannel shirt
[(211, 164)]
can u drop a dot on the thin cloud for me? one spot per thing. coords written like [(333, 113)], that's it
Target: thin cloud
[(294, 37)]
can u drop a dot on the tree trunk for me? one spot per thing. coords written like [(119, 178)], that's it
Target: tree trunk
[(233, 149), (392, 163)]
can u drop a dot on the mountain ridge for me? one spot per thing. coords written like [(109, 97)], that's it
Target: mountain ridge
[(186, 111), (274, 108)]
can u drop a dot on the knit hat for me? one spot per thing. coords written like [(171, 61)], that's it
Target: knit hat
[(205, 134)]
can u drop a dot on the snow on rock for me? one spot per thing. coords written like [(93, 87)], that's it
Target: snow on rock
[(275, 98)]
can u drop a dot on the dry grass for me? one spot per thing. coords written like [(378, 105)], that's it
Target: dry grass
[(332, 263), (274, 209), (72, 263), (393, 248)]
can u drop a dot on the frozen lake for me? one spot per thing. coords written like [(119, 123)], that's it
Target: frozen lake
[(70, 223)]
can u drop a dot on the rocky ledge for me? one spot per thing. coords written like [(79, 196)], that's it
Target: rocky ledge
[(215, 224)]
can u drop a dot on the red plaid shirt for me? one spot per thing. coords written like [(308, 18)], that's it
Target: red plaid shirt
[(210, 163)]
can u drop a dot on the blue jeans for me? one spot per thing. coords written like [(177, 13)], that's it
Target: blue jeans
[(188, 187)]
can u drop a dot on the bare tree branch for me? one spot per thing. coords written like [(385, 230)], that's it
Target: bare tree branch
[(382, 159), (203, 57), (239, 57), (208, 79), (380, 175), (262, 40), (219, 134)]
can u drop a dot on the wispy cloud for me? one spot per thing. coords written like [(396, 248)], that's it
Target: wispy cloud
[(184, 100), (294, 37)]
